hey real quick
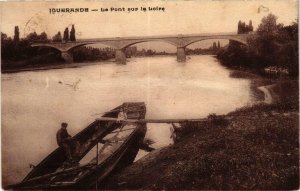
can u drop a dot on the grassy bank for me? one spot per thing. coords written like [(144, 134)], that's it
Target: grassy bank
[(251, 148)]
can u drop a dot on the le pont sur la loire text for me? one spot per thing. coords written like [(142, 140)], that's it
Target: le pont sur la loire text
[(132, 9)]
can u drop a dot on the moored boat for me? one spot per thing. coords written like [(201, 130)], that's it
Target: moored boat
[(119, 145)]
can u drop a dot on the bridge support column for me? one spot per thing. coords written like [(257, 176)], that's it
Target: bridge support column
[(120, 56), (68, 57), (181, 57)]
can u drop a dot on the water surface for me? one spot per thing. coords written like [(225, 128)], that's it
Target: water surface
[(35, 103)]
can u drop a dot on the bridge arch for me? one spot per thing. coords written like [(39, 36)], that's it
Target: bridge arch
[(66, 48), (91, 43), (126, 45), (242, 41), (78, 45), (47, 45), (121, 55), (65, 55)]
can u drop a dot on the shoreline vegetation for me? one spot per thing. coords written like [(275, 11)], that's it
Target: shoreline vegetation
[(21, 67), (56, 66), (59, 65)]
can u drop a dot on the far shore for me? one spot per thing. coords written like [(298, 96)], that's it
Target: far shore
[(74, 65), (56, 66)]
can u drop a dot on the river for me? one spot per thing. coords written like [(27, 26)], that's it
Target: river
[(35, 103)]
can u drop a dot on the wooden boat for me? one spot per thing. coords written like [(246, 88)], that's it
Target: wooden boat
[(120, 145)]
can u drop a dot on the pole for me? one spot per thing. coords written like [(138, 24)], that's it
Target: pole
[(97, 165)]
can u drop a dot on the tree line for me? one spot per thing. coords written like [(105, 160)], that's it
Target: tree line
[(67, 36), (274, 45), (16, 52), (243, 28), (213, 49), (17, 49)]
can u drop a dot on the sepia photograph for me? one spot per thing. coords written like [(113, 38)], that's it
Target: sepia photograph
[(150, 95)]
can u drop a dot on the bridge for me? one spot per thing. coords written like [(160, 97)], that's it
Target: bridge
[(120, 44)]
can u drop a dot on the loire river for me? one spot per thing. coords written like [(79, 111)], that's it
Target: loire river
[(35, 103)]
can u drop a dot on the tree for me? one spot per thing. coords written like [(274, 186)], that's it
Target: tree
[(57, 37), (150, 52), (288, 33), (32, 37), (265, 44), (274, 45), (268, 26), (219, 46), (214, 46), (3, 37), (250, 26), (72, 34), (243, 28), (239, 27), (17, 34), (288, 51), (7, 47), (35, 37), (43, 37), (66, 35)]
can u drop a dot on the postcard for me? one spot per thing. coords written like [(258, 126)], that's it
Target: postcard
[(156, 95)]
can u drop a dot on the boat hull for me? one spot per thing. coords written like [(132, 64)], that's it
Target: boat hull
[(43, 176)]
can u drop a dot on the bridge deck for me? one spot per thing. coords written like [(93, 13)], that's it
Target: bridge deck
[(213, 35), (163, 36)]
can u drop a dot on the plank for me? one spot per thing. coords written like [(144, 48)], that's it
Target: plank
[(152, 120)]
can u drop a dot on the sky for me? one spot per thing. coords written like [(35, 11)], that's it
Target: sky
[(178, 17)]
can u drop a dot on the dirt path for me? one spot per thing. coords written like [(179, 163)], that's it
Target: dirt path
[(268, 96)]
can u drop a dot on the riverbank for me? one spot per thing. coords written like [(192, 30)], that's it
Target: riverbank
[(60, 65), (254, 147), (269, 90), (23, 66), (54, 66)]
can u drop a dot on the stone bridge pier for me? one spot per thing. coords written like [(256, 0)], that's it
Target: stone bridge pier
[(67, 56), (120, 56), (181, 57)]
